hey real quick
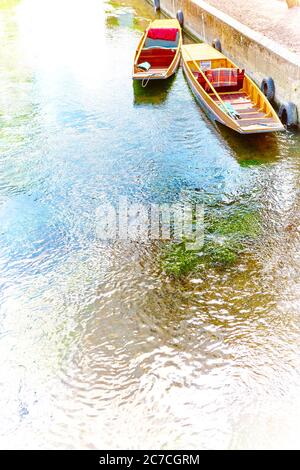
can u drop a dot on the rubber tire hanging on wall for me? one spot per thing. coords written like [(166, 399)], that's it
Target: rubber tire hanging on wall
[(216, 44), (268, 88), (180, 17), (156, 5), (288, 114)]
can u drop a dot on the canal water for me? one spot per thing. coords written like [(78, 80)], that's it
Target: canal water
[(99, 347)]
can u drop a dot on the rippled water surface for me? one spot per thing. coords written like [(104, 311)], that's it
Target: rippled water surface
[(98, 347)]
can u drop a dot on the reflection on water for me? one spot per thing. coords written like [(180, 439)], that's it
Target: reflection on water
[(118, 14), (98, 347), (252, 149), (155, 93)]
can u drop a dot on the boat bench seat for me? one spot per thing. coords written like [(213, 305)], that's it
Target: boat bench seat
[(162, 40), (150, 43), (238, 86), (157, 57)]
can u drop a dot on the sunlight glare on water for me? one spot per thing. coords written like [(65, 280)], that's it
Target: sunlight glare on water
[(98, 347)]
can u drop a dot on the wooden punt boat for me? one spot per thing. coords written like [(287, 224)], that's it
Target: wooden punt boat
[(158, 51), (226, 93)]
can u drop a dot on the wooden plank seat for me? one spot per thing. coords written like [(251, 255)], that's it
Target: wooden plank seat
[(244, 108), (257, 121), (249, 114), (238, 97), (156, 70), (254, 114)]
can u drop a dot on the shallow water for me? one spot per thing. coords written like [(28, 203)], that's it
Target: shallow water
[(98, 347)]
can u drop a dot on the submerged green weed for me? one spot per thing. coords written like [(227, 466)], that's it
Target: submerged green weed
[(226, 239), (241, 225), (177, 260), (224, 254)]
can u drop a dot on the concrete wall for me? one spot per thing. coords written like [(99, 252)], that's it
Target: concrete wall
[(260, 56)]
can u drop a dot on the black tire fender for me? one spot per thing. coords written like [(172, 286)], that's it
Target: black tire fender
[(288, 114), (268, 88), (217, 44), (180, 17), (156, 5)]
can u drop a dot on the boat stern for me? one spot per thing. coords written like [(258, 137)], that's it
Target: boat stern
[(261, 128)]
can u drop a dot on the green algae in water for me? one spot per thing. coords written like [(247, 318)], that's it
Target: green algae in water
[(222, 254), (115, 4), (225, 242), (178, 261), (250, 162), (139, 24), (238, 224), (112, 21)]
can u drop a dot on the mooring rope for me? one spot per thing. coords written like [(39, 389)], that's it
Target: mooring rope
[(146, 80)]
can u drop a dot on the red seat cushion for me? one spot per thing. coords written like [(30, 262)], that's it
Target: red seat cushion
[(222, 77), (240, 80), (166, 34)]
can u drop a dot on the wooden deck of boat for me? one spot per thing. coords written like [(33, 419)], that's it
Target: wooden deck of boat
[(249, 113), (165, 23), (153, 70)]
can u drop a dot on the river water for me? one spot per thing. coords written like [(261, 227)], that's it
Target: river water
[(99, 348)]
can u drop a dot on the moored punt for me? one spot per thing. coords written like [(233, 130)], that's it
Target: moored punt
[(226, 93), (158, 53)]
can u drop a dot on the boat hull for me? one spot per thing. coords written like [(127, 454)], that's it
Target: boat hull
[(156, 72)]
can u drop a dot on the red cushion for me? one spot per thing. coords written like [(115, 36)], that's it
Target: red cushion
[(166, 34), (240, 79)]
